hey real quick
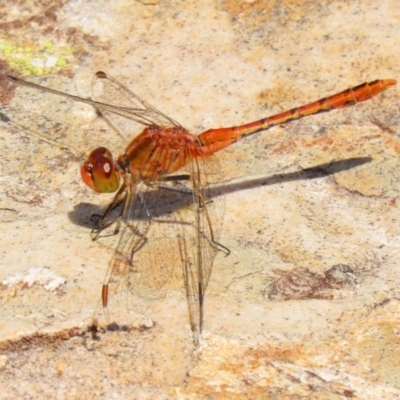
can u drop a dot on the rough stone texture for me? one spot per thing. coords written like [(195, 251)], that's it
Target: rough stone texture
[(307, 304)]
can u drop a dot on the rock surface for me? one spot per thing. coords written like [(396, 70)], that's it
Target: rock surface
[(307, 303)]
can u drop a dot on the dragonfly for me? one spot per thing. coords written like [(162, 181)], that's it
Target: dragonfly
[(167, 197)]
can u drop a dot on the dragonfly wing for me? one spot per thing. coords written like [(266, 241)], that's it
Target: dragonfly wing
[(168, 233), (37, 151), (145, 264), (203, 229), (115, 101), (110, 96)]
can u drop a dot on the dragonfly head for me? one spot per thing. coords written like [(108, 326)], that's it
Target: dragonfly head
[(99, 171)]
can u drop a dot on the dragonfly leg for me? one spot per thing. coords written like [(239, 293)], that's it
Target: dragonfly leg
[(119, 199)]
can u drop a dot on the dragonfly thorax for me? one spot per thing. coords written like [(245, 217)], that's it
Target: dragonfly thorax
[(159, 151)]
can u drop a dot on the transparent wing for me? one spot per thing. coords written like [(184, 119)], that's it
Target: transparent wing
[(115, 99), (40, 156), (201, 239), (146, 263), (167, 233), (111, 97)]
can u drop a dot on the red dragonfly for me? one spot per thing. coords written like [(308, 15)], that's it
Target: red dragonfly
[(171, 223)]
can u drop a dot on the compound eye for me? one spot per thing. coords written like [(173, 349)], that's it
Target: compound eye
[(99, 171)]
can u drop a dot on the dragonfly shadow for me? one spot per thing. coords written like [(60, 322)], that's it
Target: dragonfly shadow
[(169, 201), (316, 172), (84, 214)]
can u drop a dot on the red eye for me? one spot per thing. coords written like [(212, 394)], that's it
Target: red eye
[(99, 171)]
